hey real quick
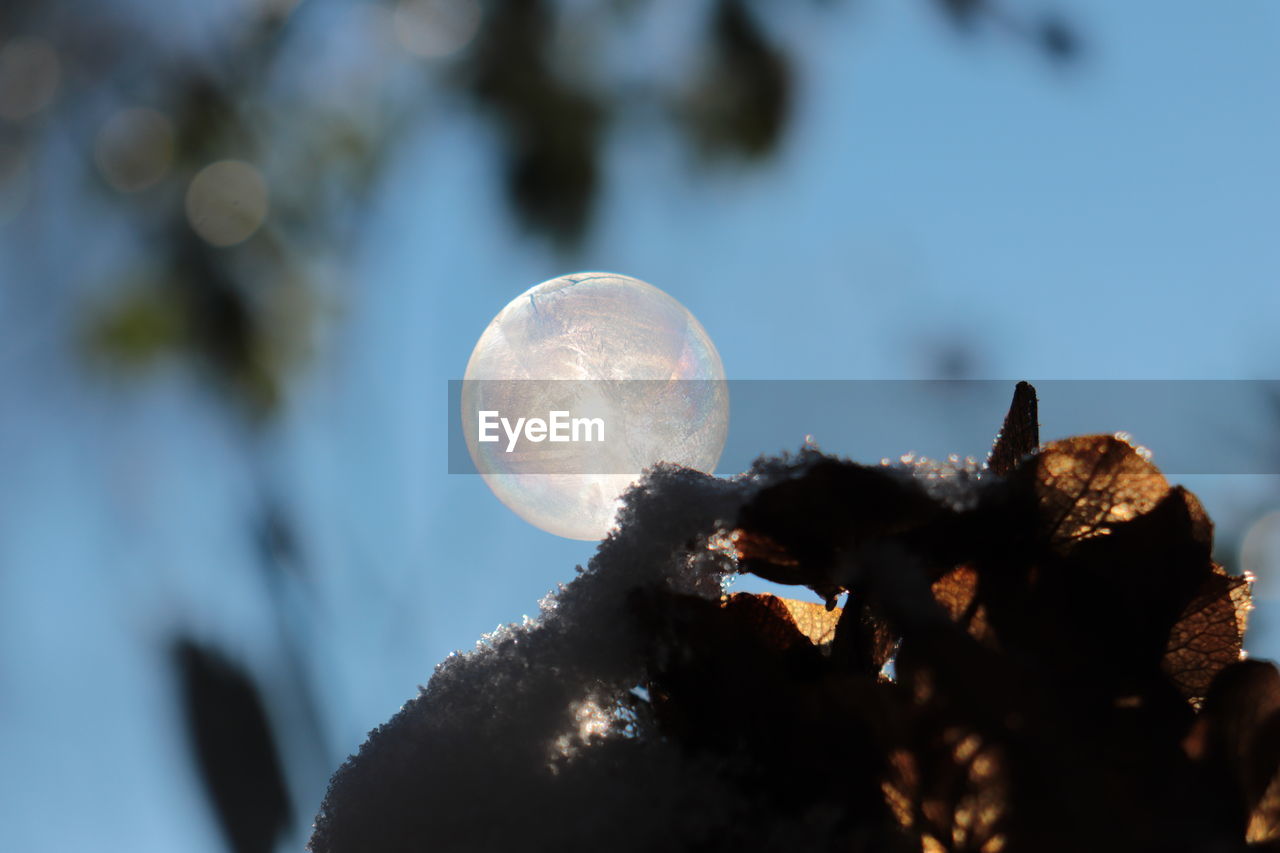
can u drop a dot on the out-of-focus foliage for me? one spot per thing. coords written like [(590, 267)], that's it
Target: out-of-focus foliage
[(1066, 675), (237, 754), (234, 148)]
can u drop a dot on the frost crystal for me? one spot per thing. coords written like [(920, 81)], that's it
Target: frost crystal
[(506, 723)]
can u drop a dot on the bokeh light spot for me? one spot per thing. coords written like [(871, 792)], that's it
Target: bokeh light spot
[(134, 149), (29, 72), (226, 202), (1260, 556), (433, 29)]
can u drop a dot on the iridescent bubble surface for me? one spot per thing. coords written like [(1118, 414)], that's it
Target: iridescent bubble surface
[(594, 328)]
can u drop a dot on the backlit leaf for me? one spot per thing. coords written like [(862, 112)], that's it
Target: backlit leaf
[(1209, 634), (813, 620), (1089, 483), (957, 592)]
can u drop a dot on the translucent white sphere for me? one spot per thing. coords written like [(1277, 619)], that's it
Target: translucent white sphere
[(594, 328)]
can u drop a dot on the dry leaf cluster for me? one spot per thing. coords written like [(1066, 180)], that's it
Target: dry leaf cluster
[(1039, 655)]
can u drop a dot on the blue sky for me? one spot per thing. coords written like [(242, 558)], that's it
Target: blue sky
[(1113, 219)]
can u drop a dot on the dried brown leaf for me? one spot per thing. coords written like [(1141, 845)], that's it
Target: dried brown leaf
[(1264, 822), (1020, 434), (1237, 737), (792, 532), (957, 592), (1086, 484), (773, 618), (1209, 634), (813, 620)]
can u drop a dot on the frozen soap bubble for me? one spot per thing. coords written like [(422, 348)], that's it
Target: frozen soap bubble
[(594, 333)]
